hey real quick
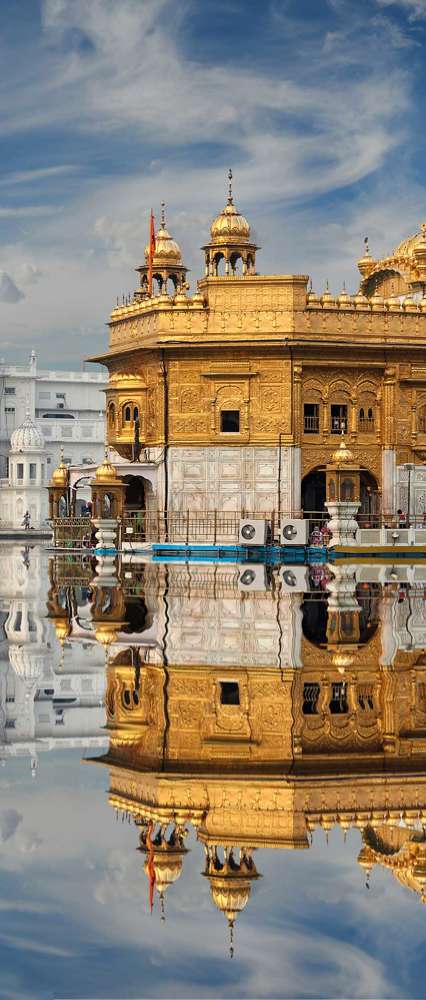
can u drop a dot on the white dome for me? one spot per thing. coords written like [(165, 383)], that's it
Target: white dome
[(27, 437), (27, 663)]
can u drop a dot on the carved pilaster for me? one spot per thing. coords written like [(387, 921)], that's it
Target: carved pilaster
[(379, 416), (414, 418), (389, 407), (353, 417), (389, 735), (325, 410), (297, 403)]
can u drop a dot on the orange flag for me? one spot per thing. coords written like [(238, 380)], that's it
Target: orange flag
[(151, 251), (150, 866)]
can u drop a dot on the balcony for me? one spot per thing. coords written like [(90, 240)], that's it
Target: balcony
[(366, 425), (311, 424)]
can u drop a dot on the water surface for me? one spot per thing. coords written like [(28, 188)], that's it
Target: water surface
[(271, 732)]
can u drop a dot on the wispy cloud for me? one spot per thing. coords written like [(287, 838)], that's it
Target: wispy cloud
[(41, 173), (311, 109), (416, 9), (26, 944), (25, 906), (27, 211)]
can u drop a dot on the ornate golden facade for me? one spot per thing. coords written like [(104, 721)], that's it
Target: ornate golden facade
[(261, 364)]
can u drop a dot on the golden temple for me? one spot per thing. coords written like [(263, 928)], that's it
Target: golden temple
[(230, 398)]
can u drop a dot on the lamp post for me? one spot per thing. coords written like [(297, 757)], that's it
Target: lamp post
[(369, 505), (409, 467)]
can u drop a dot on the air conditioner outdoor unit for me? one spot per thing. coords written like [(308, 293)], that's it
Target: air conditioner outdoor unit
[(252, 577), (252, 531), (294, 579), (294, 532)]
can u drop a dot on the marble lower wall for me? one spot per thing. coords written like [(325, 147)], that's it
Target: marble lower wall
[(233, 479), (417, 491)]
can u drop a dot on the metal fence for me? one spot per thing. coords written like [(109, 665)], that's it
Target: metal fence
[(199, 527), (73, 532), (210, 527)]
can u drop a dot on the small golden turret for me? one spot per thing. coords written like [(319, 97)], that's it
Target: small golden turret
[(60, 475), (342, 455), (230, 882), (366, 262), (106, 472)]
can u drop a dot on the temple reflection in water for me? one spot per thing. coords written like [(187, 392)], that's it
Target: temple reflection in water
[(48, 699), (257, 716)]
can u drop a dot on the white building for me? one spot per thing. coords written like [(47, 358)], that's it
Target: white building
[(25, 491), (68, 408), (50, 697)]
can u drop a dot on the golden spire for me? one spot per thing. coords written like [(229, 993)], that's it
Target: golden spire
[(230, 199), (366, 262), (230, 226), (163, 215), (231, 938)]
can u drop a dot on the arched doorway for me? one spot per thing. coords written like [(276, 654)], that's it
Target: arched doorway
[(313, 498), (370, 507), (135, 493), (313, 493)]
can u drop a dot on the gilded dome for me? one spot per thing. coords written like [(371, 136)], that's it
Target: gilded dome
[(106, 632), (408, 246), (167, 867), (342, 455), (60, 474), (230, 226), (27, 437), (167, 251), (230, 895), (62, 628), (106, 472), (400, 849)]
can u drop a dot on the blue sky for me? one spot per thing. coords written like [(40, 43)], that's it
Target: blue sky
[(75, 921), (107, 108)]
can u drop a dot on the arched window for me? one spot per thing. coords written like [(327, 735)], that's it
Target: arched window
[(107, 505), (421, 419), (347, 490), (311, 693), (135, 413), (236, 263), (127, 415), (218, 264), (339, 418), (366, 419)]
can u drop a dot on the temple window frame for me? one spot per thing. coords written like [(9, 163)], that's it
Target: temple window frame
[(225, 415)]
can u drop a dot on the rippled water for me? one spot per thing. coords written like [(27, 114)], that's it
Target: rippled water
[(167, 738)]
